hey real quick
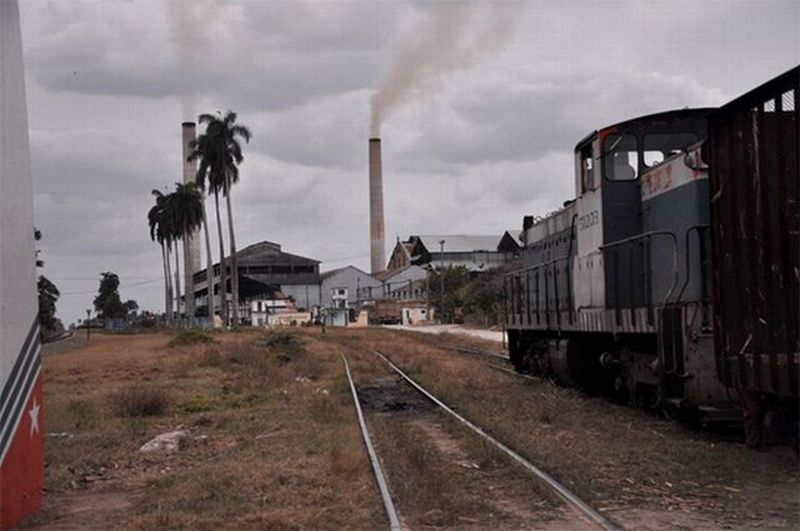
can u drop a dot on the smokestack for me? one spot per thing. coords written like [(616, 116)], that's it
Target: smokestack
[(376, 232), (191, 244)]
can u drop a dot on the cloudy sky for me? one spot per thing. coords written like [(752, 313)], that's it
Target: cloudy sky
[(484, 138)]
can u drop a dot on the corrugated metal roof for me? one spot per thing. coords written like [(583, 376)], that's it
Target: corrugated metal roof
[(460, 243), (268, 253), (332, 272)]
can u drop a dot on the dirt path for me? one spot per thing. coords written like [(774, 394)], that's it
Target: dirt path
[(495, 336)]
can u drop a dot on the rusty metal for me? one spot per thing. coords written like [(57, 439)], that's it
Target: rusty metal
[(752, 152), (380, 477)]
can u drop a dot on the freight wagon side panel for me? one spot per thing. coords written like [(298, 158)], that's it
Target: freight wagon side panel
[(752, 152)]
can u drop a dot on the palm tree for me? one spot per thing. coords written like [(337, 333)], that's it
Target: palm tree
[(162, 233), (185, 209), (203, 149), (200, 182), (220, 154)]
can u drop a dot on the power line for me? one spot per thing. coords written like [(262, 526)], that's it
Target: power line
[(142, 283)]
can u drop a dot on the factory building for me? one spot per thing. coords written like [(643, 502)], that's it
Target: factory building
[(265, 272), (347, 287), (476, 253), (405, 283)]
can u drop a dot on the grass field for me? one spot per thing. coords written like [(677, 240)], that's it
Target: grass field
[(271, 439), (271, 442)]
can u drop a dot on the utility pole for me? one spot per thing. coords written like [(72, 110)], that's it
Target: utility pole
[(441, 276)]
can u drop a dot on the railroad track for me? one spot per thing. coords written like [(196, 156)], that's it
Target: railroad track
[(582, 509), (494, 356), (479, 352)]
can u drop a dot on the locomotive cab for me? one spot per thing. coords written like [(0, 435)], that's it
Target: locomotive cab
[(614, 293)]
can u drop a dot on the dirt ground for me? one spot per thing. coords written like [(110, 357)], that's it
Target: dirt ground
[(642, 471), (273, 443)]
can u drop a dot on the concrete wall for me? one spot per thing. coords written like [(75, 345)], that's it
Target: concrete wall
[(304, 295)]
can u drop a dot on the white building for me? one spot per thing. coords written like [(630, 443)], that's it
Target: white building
[(347, 287)]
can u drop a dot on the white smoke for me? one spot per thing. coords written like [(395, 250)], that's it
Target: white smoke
[(189, 21), (458, 37)]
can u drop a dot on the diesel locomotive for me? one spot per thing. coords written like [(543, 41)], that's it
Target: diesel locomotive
[(671, 278)]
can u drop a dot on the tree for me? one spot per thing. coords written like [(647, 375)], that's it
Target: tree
[(48, 295), (108, 303), (161, 231), (482, 298), (220, 154), (131, 306), (444, 285), (185, 210)]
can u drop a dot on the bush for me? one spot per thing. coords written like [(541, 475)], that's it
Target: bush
[(190, 337), (279, 339), (283, 344), (140, 402)]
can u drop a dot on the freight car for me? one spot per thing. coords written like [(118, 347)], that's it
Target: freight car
[(653, 287)]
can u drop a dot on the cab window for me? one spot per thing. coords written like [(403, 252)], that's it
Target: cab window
[(620, 157), (587, 169), (658, 147)]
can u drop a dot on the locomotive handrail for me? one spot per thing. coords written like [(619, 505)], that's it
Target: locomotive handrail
[(699, 228), (525, 272), (537, 266)]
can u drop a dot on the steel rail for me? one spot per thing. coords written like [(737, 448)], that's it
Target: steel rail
[(573, 500), (388, 504), (479, 352), (513, 373)]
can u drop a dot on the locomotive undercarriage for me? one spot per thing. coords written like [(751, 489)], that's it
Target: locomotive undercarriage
[(673, 371)]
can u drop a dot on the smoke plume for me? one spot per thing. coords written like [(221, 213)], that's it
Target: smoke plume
[(458, 37), (189, 22)]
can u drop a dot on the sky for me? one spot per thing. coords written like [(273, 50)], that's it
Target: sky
[(483, 134)]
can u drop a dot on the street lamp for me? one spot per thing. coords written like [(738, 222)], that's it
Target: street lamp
[(88, 313)]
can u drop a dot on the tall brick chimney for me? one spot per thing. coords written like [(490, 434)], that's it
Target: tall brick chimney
[(376, 229)]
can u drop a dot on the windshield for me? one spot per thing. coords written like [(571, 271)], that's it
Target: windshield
[(659, 146), (621, 157)]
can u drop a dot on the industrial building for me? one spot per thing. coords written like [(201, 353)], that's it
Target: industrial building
[(476, 253), (347, 287), (265, 272), (406, 283)]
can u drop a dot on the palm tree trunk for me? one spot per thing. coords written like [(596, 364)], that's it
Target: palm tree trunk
[(234, 261), (177, 284), (188, 289), (169, 288), (164, 264), (209, 266), (223, 275)]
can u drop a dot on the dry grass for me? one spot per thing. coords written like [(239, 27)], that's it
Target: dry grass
[(272, 440), (138, 401), (188, 338), (611, 455)]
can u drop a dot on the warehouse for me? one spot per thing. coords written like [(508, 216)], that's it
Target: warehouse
[(476, 253), (264, 270)]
